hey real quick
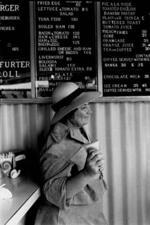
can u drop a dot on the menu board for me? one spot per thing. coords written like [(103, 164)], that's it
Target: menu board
[(15, 81), (125, 44), (66, 44)]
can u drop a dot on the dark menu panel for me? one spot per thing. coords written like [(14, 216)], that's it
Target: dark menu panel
[(125, 41), (14, 49), (65, 44)]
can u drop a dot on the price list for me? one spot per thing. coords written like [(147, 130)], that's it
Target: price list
[(14, 49), (125, 41), (65, 44)]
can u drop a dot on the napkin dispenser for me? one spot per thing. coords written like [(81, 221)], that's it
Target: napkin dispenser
[(8, 164)]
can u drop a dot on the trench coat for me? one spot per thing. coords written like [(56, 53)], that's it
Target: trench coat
[(63, 156)]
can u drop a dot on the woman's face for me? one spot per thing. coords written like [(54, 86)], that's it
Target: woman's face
[(82, 115)]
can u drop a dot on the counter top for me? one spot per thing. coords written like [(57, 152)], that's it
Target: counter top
[(25, 193)]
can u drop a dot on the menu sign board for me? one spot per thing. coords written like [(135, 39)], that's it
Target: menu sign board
[(14, 49), (125, 41), (66, 48)]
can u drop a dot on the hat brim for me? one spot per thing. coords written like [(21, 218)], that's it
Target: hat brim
[(83, 98)]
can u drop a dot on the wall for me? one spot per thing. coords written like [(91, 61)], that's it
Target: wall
[(124, 133), (22, 126)]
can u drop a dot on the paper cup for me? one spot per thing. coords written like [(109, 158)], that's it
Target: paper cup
[(93, 145)]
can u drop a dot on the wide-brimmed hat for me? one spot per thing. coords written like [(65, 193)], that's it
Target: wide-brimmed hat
[(67, 97)]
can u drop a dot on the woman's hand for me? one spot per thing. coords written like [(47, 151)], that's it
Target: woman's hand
[(94, 163), (92, 170)]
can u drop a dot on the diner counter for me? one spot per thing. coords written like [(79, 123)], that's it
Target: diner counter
[(25, 193)]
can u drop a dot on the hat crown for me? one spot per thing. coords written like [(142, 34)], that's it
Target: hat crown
[(63, 90)]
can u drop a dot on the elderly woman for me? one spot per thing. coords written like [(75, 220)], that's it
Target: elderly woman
[(72, 178)]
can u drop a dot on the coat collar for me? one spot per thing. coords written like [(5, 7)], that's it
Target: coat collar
[(61, 130), (78, 134)]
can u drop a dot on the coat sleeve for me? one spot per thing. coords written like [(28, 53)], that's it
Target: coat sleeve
[(55, 171)]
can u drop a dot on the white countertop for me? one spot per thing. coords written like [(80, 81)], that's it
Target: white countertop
[(25, 193)]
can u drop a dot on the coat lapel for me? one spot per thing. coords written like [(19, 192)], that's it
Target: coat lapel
[(79, 135)]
